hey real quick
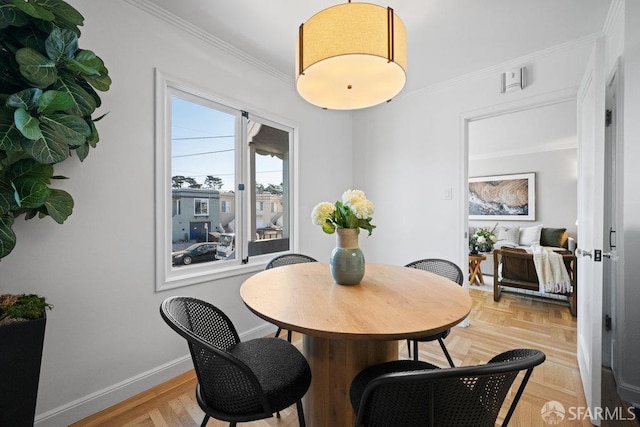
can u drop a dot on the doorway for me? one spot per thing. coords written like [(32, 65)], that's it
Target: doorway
[(540, 138)]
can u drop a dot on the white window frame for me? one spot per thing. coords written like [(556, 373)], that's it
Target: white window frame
[(201, 202), (168, 277)]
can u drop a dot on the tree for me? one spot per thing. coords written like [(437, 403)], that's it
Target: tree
[(213, 182), (274, 189), (177, 181), (192, 182)]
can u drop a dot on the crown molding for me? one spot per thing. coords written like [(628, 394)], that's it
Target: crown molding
[(199, 33)]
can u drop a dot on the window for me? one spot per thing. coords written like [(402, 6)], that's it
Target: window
[(217, 166), (200, 207)]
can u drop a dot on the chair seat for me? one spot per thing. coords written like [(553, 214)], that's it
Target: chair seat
[(363, 378), (281, 369)]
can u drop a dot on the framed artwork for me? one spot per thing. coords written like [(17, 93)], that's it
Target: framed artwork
[(503, 197)]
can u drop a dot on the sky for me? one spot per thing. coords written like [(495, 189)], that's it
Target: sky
[(203, 140)]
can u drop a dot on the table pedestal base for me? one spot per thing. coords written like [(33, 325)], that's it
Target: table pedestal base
[(334, 364)]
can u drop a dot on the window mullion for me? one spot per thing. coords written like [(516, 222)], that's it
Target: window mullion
[(242, 201)]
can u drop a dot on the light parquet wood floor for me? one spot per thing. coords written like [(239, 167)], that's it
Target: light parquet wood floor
[(514, 322)]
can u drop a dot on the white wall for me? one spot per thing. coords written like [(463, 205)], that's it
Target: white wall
[(410, 153), (105, 338), (541, 140)]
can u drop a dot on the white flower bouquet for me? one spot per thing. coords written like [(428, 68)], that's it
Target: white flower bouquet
[(353, 211)]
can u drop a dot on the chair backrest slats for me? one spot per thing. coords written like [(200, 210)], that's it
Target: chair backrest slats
[(288, 259), (470, 395), (441, 267)]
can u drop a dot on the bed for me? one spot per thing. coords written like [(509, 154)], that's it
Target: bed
[(514, 267)]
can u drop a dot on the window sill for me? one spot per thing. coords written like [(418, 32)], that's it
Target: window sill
[(195, 276)]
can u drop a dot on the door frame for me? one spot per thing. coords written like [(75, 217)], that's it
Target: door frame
[(613, 215), (466, 117)]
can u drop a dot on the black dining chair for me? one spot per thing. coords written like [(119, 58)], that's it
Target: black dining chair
[(288, 259), (238, 381), (451, 271), (412, 393)]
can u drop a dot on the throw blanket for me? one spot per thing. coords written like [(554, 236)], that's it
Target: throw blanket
[(551, 270)]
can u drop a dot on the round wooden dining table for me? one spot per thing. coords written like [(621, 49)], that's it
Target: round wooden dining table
[(348, 328)]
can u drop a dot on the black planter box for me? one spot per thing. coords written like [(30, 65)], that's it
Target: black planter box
[(20, 357)]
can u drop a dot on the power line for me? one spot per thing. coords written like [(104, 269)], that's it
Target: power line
[(203, 153), (202, 137)]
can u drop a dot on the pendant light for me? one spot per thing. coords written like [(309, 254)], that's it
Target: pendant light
[(351, 56)]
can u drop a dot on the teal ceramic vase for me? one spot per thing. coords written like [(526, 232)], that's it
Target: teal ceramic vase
[(347, 260)]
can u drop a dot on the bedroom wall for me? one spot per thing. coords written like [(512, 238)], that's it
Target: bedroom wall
[(541, 140), (105, 340)]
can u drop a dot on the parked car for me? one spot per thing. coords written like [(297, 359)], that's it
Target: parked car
[(212, 236), (195, 253), (226, 246)]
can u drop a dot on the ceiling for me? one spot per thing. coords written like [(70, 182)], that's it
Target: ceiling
[(445, 38)]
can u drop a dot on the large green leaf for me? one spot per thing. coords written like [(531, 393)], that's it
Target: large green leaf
[(74, 130), (86, 62), (34, 10), (7, 199), (36, 68), (28, 125), (90, 90), (11, 15), (63, 11), (48, 149), (12, 157), (59, 205), (26, 99), (61, 44), (101, 82), (53, 100), (83, 151), (83, 103), (32, 192), (7, 236), (93, 139), (30, 36), (10, 136), (31, 168)]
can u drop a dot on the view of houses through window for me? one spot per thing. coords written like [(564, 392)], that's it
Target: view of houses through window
[(224, 162)]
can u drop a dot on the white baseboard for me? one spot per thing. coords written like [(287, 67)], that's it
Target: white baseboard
[(95, 402)]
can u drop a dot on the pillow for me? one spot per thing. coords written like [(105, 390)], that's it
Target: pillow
[(530, 236), (556, 237), (508, 235)]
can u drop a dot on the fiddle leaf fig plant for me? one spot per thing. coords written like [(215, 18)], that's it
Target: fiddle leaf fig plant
[(47, 99)]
